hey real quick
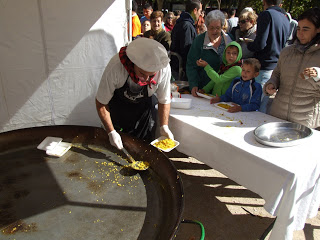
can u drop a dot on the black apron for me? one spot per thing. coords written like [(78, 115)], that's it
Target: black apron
[(133, 112)]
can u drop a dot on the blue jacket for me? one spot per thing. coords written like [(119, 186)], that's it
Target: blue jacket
[(272, 33), (182, 36), (245, 93)]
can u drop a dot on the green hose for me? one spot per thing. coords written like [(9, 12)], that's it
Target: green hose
[(196, 222)]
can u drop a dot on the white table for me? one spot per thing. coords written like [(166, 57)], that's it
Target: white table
[(286, 178)]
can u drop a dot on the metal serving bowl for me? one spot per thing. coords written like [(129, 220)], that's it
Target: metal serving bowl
[(282, 134)]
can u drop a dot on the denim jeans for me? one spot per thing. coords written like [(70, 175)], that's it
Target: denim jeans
[(263, 77)]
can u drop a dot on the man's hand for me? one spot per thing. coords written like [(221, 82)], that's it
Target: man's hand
[(215, 99), (165, 131), (115, 139), (270, 89)]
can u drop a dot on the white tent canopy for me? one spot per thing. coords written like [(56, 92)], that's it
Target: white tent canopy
[(52, 56)]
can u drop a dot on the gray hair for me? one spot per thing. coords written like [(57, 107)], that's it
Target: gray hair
[(215, 15)]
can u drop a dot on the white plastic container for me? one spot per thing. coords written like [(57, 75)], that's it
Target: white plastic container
[(184, 103), (54, 146)]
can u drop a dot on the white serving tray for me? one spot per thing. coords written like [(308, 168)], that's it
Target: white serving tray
[(162, 138), (184, 103)]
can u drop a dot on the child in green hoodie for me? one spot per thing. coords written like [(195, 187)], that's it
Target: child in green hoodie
[(229, 69)]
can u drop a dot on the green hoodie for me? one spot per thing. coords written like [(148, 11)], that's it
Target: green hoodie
[(220, 83)]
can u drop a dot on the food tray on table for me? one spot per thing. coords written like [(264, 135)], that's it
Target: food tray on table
[(223, 105), (282, 134), (205, 95)]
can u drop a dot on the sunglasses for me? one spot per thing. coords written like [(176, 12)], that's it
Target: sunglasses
[(243, 21)]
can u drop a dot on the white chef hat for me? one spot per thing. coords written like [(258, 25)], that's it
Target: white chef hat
[(148, 54)]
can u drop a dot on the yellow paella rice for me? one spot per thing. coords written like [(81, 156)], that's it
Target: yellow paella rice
[(165, 144), (223, 105), (140, 165)]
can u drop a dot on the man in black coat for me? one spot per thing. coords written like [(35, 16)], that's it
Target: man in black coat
[(184, 33)]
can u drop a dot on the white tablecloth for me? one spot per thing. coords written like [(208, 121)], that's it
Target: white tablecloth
[(286, 178)]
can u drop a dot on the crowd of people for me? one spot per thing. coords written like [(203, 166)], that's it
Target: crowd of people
[(242, 58)]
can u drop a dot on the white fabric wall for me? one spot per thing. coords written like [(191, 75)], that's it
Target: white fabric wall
[(52, 56)]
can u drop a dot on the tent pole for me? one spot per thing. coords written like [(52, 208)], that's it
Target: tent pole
[(129, 3)]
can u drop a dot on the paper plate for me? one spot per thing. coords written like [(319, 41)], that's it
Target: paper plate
[(205, 95), (54, 146), (49, 143), (221, 105), (59, 150), (162, 138)]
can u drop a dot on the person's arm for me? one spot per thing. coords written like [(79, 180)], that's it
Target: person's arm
[(164, 110), (231, 73), (104, 115), (163, 93), (263, 28)]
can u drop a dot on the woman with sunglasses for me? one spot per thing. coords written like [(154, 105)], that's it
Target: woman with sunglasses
[(168, 21), (247, 30)]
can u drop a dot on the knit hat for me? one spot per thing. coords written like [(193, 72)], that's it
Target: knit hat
[(148, 54)]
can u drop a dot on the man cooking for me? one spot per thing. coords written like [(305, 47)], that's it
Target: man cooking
[(125, 99)]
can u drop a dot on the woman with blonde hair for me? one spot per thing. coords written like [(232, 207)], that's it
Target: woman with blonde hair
[(247, 29)]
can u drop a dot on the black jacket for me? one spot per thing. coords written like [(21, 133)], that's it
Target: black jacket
[(272, 33), (182, 36)]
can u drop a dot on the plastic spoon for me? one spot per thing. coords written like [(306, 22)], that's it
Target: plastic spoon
[(136, 165)]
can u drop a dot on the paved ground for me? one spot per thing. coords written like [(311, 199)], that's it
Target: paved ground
[(227, 210)]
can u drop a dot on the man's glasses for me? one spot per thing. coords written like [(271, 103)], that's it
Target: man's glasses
[(243, 21)]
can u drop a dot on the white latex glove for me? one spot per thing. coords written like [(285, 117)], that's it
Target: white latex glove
[(115, 139), (165, 131)]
